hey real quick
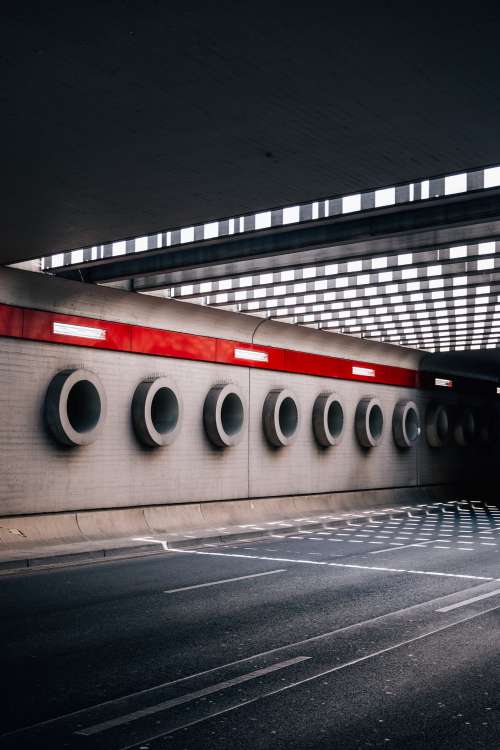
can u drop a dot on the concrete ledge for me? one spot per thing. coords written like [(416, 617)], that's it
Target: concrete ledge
[(27, 556)]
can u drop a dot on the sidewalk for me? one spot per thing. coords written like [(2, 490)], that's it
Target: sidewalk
[(20, 557)]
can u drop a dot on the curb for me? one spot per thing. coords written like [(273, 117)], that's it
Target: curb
[(144, 550)]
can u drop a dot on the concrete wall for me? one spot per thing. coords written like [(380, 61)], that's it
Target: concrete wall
[(115, 471)]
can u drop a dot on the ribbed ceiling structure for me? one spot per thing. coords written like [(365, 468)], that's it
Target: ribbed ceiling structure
[(439, 300), (432, 297)]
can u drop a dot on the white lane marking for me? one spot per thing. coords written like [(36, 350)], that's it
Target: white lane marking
[(466, 602), (403, 546), (306, 680), (335, 565), (187, 697), (304, 641), (223, 580)]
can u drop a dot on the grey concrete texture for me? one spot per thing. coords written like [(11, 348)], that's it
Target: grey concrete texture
[(117, 471)]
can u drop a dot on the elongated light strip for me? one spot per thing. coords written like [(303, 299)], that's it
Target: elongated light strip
[(81, 332), (367, 372), (443, 382), (251, 355)]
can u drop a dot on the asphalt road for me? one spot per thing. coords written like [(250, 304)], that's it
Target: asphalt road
[(381, 634)]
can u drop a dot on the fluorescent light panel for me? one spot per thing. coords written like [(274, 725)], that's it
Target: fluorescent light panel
[(367, 372), (443, 382), (251, 355), (81, 332)]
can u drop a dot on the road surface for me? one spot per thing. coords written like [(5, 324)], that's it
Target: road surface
[(377, 634)]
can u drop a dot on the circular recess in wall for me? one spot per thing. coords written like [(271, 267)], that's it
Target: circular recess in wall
[(224, 415), (281, 417), (405, 424), (328, 419), (369, 422), (75, 407), (464, 430), (437, 425), (488, 429), (156, 412)]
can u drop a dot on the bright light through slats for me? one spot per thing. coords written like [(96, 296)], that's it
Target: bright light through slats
[(314, 211)]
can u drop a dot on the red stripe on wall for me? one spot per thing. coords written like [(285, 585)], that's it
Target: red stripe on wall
[(226, 355), (348, 369), (11, 321), (173, 344), (38, 325)]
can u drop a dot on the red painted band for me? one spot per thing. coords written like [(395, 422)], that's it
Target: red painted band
[(38, 325)]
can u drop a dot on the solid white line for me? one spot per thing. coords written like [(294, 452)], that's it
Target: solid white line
[(223, 580), (335, 565), (403, 546), (187, 698), (469, 601), (307, 679)]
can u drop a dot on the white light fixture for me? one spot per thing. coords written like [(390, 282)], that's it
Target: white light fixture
[(443, 382), (81, 332), (251, 355), (367, 372)]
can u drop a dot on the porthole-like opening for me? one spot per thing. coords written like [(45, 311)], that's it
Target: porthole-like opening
[(335, 419), (288, 417), (83, 406), (488, 427), (405, 424), (164, 410), (369, 422), (224, 415), (157, 412), (465, 427), (232, 414), (412, 425), (280, 417), (376, 421), (437, 425), (469, 426), (75, 407), (328, 419), (442, 425)]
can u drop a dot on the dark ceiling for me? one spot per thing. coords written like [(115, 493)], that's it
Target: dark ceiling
[(122, 118)]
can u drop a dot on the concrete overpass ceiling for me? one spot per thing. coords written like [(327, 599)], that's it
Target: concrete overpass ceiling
[(121, 120)]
